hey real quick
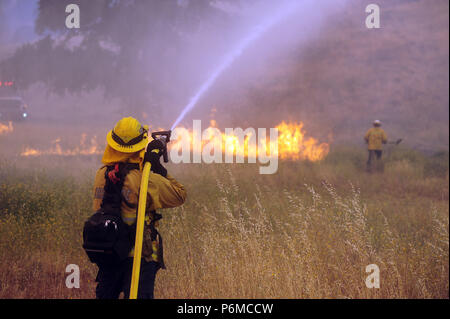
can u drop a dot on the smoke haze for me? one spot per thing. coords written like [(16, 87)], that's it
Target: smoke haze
[(319, 65)]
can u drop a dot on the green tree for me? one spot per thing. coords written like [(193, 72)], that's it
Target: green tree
[(128, 48)]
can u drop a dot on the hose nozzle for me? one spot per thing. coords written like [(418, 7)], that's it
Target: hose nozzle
[(164, 137)]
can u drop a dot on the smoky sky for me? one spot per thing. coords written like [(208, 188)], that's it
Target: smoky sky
[(17, 19), (203, 48), (320, 66)]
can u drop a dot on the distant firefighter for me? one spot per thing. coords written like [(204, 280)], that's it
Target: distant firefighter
[(375, 138)]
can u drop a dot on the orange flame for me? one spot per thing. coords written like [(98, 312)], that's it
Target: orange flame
[(82, 149), (6, 129), (292, 144)]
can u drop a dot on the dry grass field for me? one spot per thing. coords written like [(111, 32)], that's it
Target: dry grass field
[(308, 231)]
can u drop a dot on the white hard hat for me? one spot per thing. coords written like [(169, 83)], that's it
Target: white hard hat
[(377, 122)]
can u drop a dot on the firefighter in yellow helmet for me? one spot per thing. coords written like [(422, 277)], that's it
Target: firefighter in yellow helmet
[(375, 138), (126, 146)]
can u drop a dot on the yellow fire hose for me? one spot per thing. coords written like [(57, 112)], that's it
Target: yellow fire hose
[(139, 231)]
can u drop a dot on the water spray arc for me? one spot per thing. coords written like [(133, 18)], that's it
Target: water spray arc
[(283, 12), (288, 7)]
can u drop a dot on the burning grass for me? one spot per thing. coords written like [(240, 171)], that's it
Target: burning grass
[(6, 128), (292, 143), (308, 231)]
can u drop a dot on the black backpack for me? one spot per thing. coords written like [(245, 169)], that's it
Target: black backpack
[(107, 240)]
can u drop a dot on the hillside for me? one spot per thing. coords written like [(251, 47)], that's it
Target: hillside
[(347, 76), (333, 74)]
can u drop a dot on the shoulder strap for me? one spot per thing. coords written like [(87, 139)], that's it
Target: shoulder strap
[(127, 168), (114, 179)]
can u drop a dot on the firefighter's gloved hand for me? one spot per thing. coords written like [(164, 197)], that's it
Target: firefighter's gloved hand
[(154, 158), (153, 155), (155, 145)]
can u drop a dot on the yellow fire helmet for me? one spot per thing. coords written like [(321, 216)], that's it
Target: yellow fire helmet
[(128, 136)]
